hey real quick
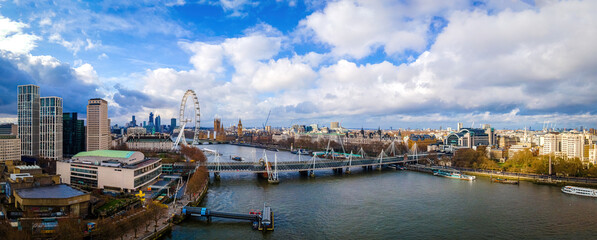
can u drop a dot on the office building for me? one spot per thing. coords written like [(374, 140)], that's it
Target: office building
[(9, 129), (28, 119), (136, 131), (10, 148), (73, 133), (133, 122), (50, 128), (158, 124), (334, 125), (118, 171), (172, 124), (98, 125), (151, 119), (151, 142)]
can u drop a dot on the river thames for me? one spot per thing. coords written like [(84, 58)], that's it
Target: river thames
[(389, 204)]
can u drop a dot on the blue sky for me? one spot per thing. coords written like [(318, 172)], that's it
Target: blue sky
[(365, 63)]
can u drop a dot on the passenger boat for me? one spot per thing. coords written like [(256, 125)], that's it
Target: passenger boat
[(504, 181), (301, 152), (587, 192), (454, 174), (236, 158)]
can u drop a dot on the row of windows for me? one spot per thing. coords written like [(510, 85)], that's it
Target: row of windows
[(83, 182), (83, 166), (84, 175), (144, 179), (83, 170), (146, 169)]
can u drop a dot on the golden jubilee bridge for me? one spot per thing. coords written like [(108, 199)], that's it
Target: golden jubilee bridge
[(338, 164)]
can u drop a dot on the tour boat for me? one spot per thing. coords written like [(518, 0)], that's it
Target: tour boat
[(236, 158), (456, 175), (301, 152), (587, 192)]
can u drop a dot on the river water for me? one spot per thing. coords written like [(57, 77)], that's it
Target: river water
[(389, 204)]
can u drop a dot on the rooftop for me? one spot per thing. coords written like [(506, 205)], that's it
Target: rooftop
[(28, 167), (105, 153), (55, 191)]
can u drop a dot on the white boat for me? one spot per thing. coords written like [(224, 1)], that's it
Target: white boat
[(587, 192), (454, 174)]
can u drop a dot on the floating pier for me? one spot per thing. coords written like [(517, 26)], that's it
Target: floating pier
[(261, 220)]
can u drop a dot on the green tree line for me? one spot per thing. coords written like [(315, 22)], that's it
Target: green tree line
[(525, 162)]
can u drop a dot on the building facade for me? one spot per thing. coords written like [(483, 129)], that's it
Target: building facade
[(28, 119), (569, 145), (151, 142), (73, 133), (9, 129), (470, 137), (119, 171), (10, 148), (136, 131), (55, 200), (172, 125), (98, 125), (50, 128)]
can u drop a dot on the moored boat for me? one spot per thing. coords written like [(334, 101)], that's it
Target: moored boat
[(504, 181), (454, 174), (587, 192)]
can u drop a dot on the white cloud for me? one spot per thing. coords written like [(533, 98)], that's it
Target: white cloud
[(532, 61), (236, 6), (282, 74), (73, 46), (357, 27), (206, 57), (13, 39), (102, 56), (87, 74)]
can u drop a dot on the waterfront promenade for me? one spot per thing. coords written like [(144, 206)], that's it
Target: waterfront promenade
[(541, 178)]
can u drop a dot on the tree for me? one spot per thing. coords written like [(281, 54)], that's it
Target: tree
[(70, 228)]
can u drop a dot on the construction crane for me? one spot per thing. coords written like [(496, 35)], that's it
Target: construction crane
[(267, 119)]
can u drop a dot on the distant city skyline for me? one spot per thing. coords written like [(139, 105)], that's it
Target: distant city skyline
[(512, 64)]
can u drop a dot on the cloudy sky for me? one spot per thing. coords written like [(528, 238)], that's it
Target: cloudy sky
[(365, 63)]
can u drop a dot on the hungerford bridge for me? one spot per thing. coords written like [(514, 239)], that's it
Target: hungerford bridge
[(263, 166)]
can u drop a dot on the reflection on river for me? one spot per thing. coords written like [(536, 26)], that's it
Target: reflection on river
[(389, 205)]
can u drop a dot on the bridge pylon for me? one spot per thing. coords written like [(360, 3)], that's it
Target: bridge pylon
[(349, 163)]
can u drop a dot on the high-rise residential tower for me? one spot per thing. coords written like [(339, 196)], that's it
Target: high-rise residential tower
[(73, 134), (98, 126), (50, 128), (28, 119)]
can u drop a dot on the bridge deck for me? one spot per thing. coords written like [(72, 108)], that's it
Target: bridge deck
[(294, 166)]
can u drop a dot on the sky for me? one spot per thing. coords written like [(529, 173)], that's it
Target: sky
[(363, 63)]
